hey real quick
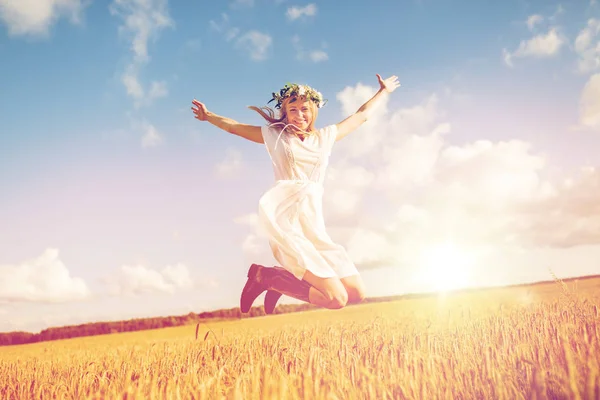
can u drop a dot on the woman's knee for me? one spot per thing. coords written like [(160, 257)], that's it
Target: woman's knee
[(337, 299), (356, 295), (355, 289), (332, 290)]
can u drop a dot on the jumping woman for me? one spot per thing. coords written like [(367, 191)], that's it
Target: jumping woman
[(314, 268)]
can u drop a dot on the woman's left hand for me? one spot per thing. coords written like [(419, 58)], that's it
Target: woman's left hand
[(390, 84)]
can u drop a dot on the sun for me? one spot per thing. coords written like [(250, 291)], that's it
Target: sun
[(445, 266)]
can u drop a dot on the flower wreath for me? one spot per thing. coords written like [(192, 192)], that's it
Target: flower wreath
[(293, 89)]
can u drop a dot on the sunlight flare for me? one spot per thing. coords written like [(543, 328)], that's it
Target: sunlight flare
[(445, 266)]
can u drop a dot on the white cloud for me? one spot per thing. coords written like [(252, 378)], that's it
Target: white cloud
[(413, 159), (151, 136), (294, 12), (507, 57), (41, 279), (559, 11), (224, 27), (425, 190), (132, 280), (345, 185), (219, 26), (136, 91), (371, 249), (543, 45), (231, 165), (367, 137), (177, 275), (587, 46), (255, 243), (34, 17), (318, 56), (315, 56), (256, 44), (567, 218), (533, 20), (142, 22), (231, 33), (132, 84), (157, 90), (590, 103), (398, 185)]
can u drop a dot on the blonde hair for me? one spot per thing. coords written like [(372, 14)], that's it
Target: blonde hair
[(269, 115)]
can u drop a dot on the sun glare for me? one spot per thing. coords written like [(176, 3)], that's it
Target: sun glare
[(445, 267)]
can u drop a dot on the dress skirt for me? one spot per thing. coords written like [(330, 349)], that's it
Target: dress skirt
[(291, 214)]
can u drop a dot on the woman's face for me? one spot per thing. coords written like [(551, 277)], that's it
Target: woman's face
[(299, 113)]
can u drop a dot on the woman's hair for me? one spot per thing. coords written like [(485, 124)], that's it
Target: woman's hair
[(269, 115)]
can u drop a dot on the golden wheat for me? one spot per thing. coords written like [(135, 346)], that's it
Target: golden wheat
[(503, 344)]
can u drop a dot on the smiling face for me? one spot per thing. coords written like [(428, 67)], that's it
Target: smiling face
[(301, 113)]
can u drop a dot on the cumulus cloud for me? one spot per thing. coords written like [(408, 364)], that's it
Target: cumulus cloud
[(133, 280), (231, 165), (35, 17), (539, 46), (295, 12), (346, 184), (256, 44), (151, 137), (224, 27), (533, 20), (41, 279), (587, 46), (399, 186), (136, 91), (142, 21), (567, 218), (361, 142), (316, 56), (255, 243)]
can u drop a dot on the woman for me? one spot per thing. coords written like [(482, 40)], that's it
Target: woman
[(315, 269)]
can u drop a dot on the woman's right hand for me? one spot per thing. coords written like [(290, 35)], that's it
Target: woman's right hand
[(200, 111)]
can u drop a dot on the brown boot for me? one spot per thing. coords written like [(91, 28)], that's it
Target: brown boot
[(252, 289), (271, 299), (274, 279)]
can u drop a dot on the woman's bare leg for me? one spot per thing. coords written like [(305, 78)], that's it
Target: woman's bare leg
[(324, 292), (355, 287)]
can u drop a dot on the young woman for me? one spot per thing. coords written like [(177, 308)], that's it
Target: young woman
[(315, 269)]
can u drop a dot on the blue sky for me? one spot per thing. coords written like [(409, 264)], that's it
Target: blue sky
[(480, 170)]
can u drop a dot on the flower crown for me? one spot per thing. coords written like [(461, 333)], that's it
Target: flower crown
[(293, 89)]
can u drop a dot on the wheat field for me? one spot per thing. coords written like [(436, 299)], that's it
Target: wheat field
[(538, 342)]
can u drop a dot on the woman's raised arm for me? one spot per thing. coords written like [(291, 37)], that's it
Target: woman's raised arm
[(250, 132), (362, 114)]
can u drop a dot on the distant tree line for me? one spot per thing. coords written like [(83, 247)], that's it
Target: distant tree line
[(103, 328), (139, 324)]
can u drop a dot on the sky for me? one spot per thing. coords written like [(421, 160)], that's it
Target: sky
[(482, 169)]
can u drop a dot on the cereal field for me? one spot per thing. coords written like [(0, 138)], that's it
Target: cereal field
[(537, 342)]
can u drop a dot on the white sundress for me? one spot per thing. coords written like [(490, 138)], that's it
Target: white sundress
[(291, 212)]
